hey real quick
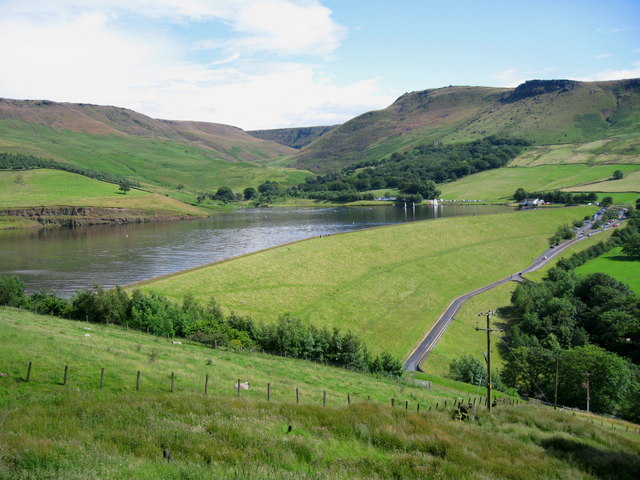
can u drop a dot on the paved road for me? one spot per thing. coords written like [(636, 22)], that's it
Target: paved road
[(431, 339)]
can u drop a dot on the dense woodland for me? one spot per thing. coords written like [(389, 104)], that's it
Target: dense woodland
[(589, 325), (207, 324)]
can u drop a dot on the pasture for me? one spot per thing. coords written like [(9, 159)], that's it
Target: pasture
[(614, 263)]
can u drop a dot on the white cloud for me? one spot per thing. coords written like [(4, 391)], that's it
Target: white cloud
[(632, 72), (510, 78), (72, 51), (602, 55)]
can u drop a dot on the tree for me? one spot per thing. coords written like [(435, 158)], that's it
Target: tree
[(467, 369), (607, 201), (250, 193), (11, 291), (618, 175), (225, 194), (632, 246), (125, 187), (520, 194)]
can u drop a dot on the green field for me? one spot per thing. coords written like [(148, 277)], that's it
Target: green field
[(629, 184), (47, 188), (539, 274), (615, 263), (78, 430), (461, 337), (386, 284), (160, 163), (500, 184)]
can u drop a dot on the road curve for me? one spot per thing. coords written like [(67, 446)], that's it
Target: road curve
[(417, 356)]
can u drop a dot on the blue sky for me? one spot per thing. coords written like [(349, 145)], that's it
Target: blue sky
[(282, 63)]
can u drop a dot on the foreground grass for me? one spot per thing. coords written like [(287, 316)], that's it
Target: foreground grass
[(44, 187), (614, 263), (79, 431), (499, 184), (387, 284)]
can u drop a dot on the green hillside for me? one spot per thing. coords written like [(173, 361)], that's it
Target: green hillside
[(542, 111), (387, 284), (614, 263), (79, 430), (22, 193), (292, 137)]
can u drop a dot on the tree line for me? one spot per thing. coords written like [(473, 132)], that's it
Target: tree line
[(207, 324), (556, 196), (18, 161), (583, 327)]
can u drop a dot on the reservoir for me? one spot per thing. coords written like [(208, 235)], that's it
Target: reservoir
[(64, 260)]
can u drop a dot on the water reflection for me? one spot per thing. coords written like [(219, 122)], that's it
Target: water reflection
[(65, 260)]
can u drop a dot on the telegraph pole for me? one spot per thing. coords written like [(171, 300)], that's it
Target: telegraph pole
[(489, 314), (588, 392)]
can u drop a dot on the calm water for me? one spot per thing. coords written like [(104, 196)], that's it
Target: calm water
[(65, 260)]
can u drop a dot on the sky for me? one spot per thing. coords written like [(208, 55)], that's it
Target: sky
[(260, 64)]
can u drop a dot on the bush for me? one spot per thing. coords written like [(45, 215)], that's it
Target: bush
[(11, 291)]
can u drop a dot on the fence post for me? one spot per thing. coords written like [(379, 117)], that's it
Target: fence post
[(297, 396), (393, 402), (268, 392), (349, 399), (28, 372), (436, 407), (418, 408), (324, 398), (138, 381), (238, 385), (102, 377), (172, 380), (406, 404), (66, 370), (206, 383)]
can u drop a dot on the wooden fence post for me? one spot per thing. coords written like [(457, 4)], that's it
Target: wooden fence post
[(102, 377), (418, 408), (28, 372), (436, 407), (297, 396), (268, 392), (349, 399), (393, 402), (172, 380), (206, 383), (138, 381), (238, 385), (406, 404), (324, 398), (66, 371)]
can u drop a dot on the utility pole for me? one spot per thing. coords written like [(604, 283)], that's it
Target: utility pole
[(488, 314), (588, 374), (555, 395)]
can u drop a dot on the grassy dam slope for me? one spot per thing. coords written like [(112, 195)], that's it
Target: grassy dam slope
[(79, 430), (386, 284)]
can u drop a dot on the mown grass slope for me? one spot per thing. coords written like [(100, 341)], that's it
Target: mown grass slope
[(500, 184), (80, 431), (387, 284)]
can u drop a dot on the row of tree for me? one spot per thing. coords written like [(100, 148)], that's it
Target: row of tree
[(18, 161), (556, 196), (207, 324)]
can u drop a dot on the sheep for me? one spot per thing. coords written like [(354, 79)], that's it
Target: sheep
[(87, 335), (177, 343), (243, 386)]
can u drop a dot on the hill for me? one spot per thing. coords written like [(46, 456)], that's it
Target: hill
[(159, 154), (79, 430), (542, 111), (292, 137)]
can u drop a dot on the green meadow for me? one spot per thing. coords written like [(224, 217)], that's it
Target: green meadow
[(614, 263), (160, 163), (55, 188), (386, 284), (499, 184), (79, 430)]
